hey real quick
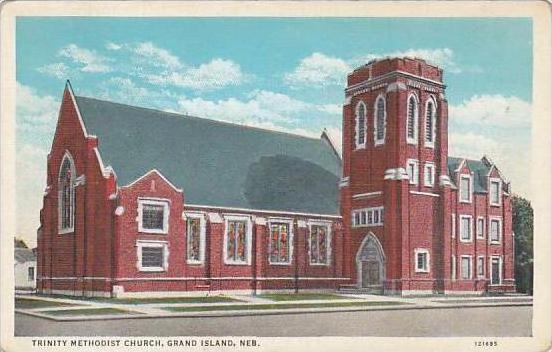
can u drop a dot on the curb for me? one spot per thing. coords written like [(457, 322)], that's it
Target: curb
[(238, 313)]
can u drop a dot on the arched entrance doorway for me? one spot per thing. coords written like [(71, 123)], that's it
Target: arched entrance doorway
[(370, 262)]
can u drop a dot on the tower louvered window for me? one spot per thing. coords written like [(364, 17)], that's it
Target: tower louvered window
[(430, 123), (361, 125), (380, 121), (411, 120)]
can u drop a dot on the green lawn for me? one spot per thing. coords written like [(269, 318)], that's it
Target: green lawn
[(281, 306), (302, 296), (26, 303), (91, 311), (201, 299)]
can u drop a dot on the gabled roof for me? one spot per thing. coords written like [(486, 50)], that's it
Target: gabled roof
[(216, 163), (23, 255), (480, 169)]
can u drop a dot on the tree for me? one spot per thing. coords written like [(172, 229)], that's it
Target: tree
[(522, 219), (19, 243)]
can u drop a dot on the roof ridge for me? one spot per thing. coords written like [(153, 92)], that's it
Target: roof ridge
[(202, 118)]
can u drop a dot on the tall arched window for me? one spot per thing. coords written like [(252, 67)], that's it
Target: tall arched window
[(412, 120), (66, 199), (379, 121), (430, 123), (360, 128)]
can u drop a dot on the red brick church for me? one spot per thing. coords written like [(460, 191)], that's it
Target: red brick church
[(141, 202)]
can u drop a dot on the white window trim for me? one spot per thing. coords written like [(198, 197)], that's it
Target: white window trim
[(166, 211), (499, 219), (289, 222), (477, 266), (499, 181), (70, 229), (491, 257), (429, 166), (328, 226), (482, 235), (357, 144), (416, 113), (434, 118), (146, 243), (470, 227), (453, 269), (376, 140), (379, 209), (416, 252), (470, 193), (248, 236), (453, 226), (202, 231), (470, 273), (415, 178)]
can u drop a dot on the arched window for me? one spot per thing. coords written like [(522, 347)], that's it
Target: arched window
[(430, 123), (360, 128), (412, 120), (379, 121), (66, 199)]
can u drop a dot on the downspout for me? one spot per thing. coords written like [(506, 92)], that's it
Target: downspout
[(254, 266), (295, 253), (85, 237), (113, 250)]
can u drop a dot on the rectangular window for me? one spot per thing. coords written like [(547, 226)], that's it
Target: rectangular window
[(495, 192), (480, 266), (152, 255), (453, 267), (319, 244), (280, 243), (368, 217), (236, 242), (195, 238), (453, 225), (422, 260), (412, 171), (495, 231), (465, 189), (465, 228), (31, 273), (480, 227), (429, 174), (153, 216), (496, 270), (465, 267)]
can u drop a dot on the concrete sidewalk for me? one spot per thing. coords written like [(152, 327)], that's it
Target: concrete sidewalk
[(155, 310)]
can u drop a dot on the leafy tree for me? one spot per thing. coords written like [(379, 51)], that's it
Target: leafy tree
[(19, 243), (523, 230)]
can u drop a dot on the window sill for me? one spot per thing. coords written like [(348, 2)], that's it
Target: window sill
[(496, 205), (151, 270), (466, 241), (465, 201), (319, 264), (419, 271), (236, 263), (279, 264), (360, 147), (494, 242), (152, 232), (431, 146), (480, 238), (194, 262), (66, 232)]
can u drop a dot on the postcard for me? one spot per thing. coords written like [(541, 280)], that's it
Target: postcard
[(271, 176)]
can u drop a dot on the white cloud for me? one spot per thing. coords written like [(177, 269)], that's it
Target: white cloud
[(113, 46), (492, 110), (124, 90), (216, 74), (332, 109), (33, 109), (155, 56), (89, 60), (319, 69), (443, 57), (58, 70)]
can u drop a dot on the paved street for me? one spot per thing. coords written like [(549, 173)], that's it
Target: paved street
[(480, 321)]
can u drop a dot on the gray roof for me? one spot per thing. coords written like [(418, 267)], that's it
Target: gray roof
[(23, 255), (216, 163), (480, 169)]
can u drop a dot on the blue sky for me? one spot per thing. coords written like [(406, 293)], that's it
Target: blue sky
[(278, 73)]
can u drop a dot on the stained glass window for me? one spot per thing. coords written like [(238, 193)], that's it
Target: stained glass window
[(236, 246), (318, 244), (279, 243), (194, 239), (66, 195)]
